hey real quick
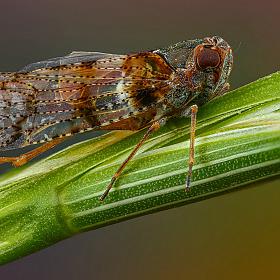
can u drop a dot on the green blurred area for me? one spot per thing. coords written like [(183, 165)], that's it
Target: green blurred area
[(230, 237)]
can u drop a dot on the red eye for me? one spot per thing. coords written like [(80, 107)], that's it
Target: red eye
[(208, 58)]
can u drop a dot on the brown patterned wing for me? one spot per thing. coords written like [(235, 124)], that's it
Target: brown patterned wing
[(80, 92)]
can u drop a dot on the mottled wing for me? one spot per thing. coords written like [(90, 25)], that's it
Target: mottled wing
[(80, 92)]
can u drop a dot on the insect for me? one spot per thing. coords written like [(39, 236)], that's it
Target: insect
[(48, 101)]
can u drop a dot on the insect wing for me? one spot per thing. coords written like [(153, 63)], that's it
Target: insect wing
[(76, 93)]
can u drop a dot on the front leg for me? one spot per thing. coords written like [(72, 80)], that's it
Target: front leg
[(192, 111)]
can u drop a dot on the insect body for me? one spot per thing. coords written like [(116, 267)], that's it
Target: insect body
[(48, 101)]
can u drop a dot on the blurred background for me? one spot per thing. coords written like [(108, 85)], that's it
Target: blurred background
[(230, 237)]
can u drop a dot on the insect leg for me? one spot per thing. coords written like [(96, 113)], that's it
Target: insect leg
[(155, 126), (193, 112), (24, 158)]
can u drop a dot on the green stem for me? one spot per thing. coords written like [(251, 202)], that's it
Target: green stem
[(237, 146)]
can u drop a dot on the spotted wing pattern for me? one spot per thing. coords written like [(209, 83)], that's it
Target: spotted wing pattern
[(80, 92)]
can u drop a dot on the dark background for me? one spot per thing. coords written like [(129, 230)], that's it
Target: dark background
[(230, 237)]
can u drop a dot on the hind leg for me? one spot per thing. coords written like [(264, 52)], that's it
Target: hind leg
[(24, 158)]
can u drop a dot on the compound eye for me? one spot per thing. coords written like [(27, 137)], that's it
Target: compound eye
[(208, 58)]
